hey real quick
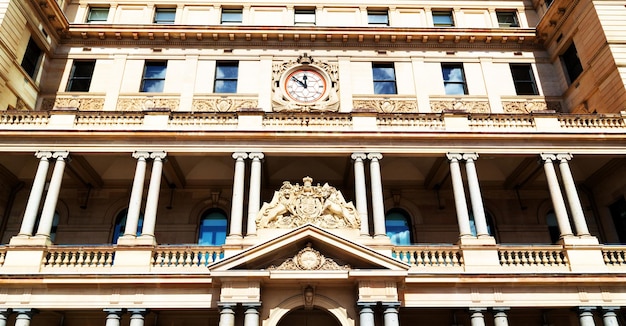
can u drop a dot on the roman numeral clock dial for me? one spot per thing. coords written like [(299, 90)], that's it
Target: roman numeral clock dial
[(305, 86)]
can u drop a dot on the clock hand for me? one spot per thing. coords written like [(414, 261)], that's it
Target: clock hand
[(298, 81), (304, 78)]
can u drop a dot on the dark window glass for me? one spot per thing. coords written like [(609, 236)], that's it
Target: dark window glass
[(164, 15), (31, 58), (80, 76), (398, 226), (548, 3), (377, 17), (553, 227), (524, 79), (618, 213), (226, 74), (454, 78), (384, 78), (443, 18), (120, 225), (232, 16), (572, 62), (98, 14), (213, 228), (305, 17), (507, 19), (153, 76)]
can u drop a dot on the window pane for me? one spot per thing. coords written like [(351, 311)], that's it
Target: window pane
[(451, 73), (397, 226), (572, 63), (225, 86), (31, 58), (442, 18), (213, 228), (227, 71), (83, 68), (232, 16), (377, 17), (154, 70), (305, 16), (98, 15), (226, 74), (165, 16), (381, 73), (507, 19), (153, 85), (385, 88)]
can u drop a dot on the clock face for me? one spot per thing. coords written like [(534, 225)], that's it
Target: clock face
[(305, 85)]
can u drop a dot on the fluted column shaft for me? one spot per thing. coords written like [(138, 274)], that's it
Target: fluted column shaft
[(480, 221), (134, 206), (580, 224), (236, 212), (152, 201), (460, 204), (366, 314), (254, 196), (36, 192), (555, 194), (585, 315), (227, 315), (113, 317), (378, 204), (52, 197), (360, 191), (477, 317)]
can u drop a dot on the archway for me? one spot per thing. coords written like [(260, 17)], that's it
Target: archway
[(308, 317)]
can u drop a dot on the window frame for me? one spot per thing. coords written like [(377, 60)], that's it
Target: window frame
[(372, 14), (73, 78), (443, 13), (571, 63), (32, 58), (504, 14), (234, 12), (446, 81), (393, 231), (154, 63), (164, 10), (90, 20), (226, 80), (384, 81), (304, 12), (519, 84), (214, 214)]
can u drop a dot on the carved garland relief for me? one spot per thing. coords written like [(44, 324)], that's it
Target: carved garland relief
[(309, 259)]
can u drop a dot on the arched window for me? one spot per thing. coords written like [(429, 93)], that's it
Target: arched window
[(213, 228), (491, 229), (120, 225), (553, 227), (398, 225)]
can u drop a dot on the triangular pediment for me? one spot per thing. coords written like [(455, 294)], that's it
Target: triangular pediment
[(309, 249)]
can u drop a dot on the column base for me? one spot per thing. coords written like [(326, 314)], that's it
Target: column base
[(584, 254), (143, 240), (30, 241)]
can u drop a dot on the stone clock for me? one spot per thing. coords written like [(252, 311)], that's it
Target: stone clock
[(305, 85)]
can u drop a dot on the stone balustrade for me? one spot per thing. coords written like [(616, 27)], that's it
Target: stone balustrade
[(187, 256), (77, 257), (535, 256), (255, 119), (614, 256), (429, 256)]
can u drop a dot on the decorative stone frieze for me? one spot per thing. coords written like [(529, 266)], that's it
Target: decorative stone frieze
[(388, 105), (143, 103), (460, 105), (222, 104), (296, 205), (309, 259), (80, 103)]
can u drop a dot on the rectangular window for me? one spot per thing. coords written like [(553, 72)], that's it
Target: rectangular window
[(507, 18), (524, 79), (443, 18), (98, 15), (153, 76), (226, 74), (384, 78), (378, 17), (80, 76), (304, 17), (164, 15), (31, 58), (454, 78), (572, 63), (232, 16)]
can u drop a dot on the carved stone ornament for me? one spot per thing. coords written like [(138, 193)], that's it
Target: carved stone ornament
[(142, 103), (466, 106), (388, 105), (524, 106), (295, 205), (309, 259), (222, 104), (82, 104), (281, 102)]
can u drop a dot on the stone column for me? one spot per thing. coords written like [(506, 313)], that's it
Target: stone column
[(480, 221), (254, 197), (555, 193), (378, 205), (23, 316), (580, 224), (137, 316), (236, 212), (366, 313), (459, 195), (227, 314), (113, 317), (360, 192), (152, 201), (251, 315), (36, 192), (609, 318), (390, 315), (478, 319), (134, 206), (52, 197), (4, 315), (499, 317), (586, 316)]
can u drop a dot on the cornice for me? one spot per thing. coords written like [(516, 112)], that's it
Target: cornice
[(51, 13)]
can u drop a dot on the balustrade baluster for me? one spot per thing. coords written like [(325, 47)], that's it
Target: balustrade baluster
[(412, 255), (418, 258), (72, 261)]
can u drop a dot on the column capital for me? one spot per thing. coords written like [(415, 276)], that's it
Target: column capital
[(240, 155), (586, 309), (114, 311), (251, 305), (375, 156), (43, 154), (226, 305), (138, 311), (546, 157), (365, 304), (470, 156), (61, 155), (477, 309), (25, 313), (141, 155), (452, 157), (256, 156), (501, 309), (564, 157), (358, 156), (612, 308), (159, 155)]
